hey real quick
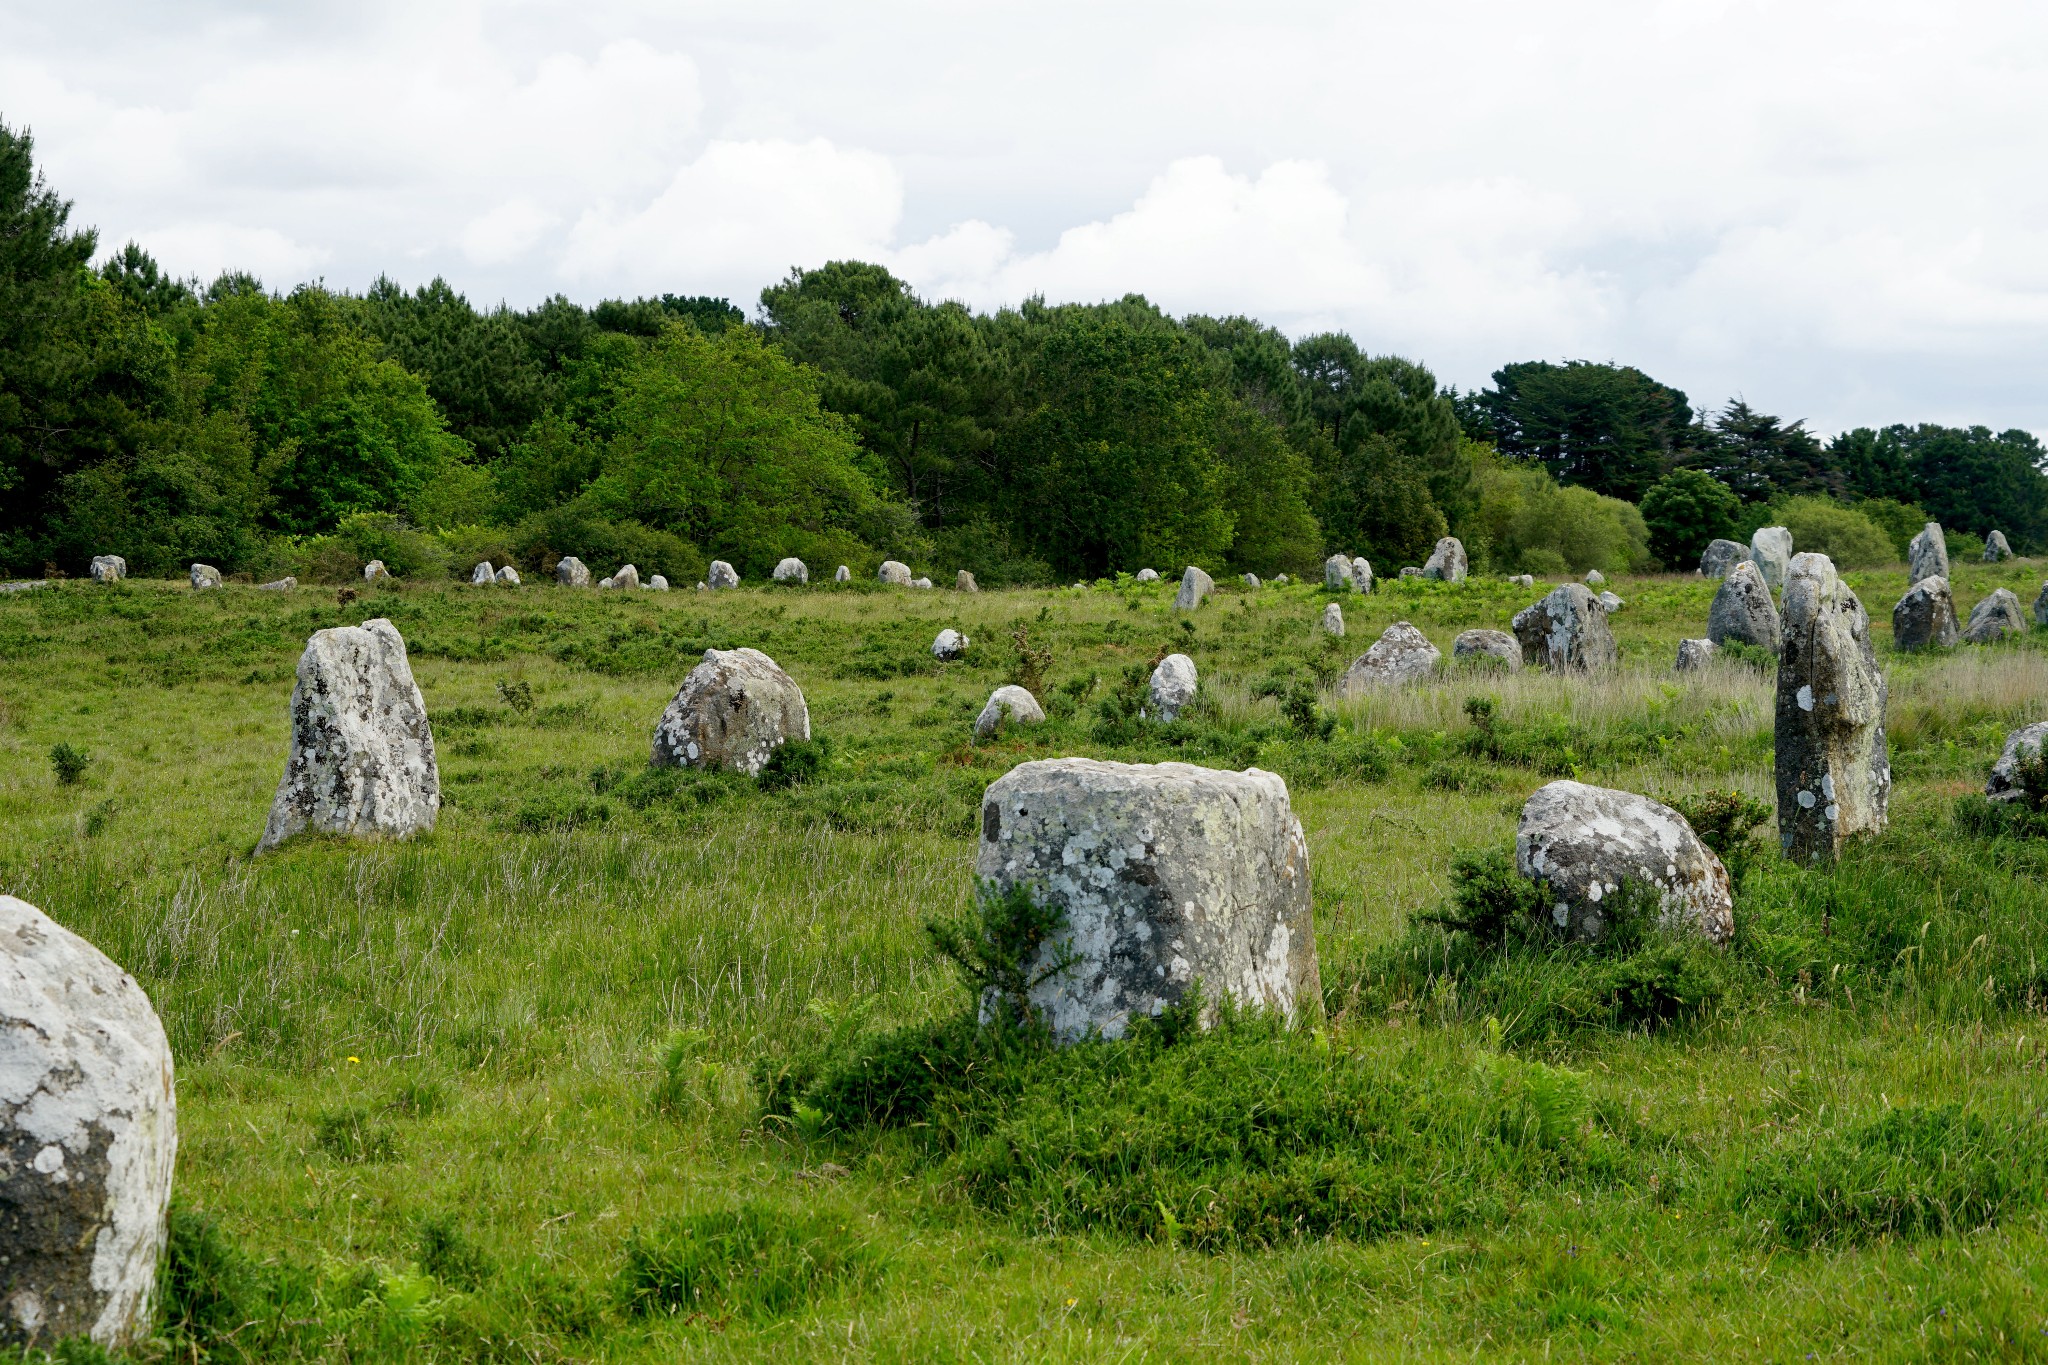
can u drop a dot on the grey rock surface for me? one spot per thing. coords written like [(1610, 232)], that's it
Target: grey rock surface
[(925, 583), (570, 572), (1447, 562), (1250, 580), (109, 568), (1927, 556), (1996, 547), (1410, 571), (1612, 602), (1361, 574), (1720, 556), (1695, 654), (1493, 644), (483, 573), (606, 583), (842, 574), (1194, 587), (1594, 578), (1011, 704), (721, 575), (1146, 576), (733, 711), (1337, 574), (1925, 618), (1523, 580), (791, 570), (627, 578), (1566, 632), (508, 576), (1996, 617), (1169, 875), (375, 570), (362, 756), (88, 1139), (949, 645), (1333, 620), (657, 584), (1172, 687), (1584, 843), (2024, 742), (285, 584), (1743, 609), (205, 576), (893, 572), (1833, 766), (964, 582), (2041, 607), (1770, 549), (1401, 655)]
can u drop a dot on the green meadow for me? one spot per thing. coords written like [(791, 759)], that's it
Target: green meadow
[(623, 1064)]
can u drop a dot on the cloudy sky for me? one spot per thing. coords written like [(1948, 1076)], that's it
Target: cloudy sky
[(1835, 210)]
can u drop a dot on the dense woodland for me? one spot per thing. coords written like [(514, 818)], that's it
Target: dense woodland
[(264, 432)]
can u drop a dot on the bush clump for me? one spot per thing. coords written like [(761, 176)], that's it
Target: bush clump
[(753, 1262)]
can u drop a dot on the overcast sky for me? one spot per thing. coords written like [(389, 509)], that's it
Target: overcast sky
[(1835, 210)]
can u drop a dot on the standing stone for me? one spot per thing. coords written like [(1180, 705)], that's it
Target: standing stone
[(1694, 655), (1594, 578), (1721, 556), (1523, 580), (1172, 687), (362, 755), (482, 574), (508, 576), (924, 583), (1996, 617), (1612, 602), (1194, 586), (894, 573), (571, 573), (791, 570), (606, 583), (1996, 547), (1927, 556), (1925, 618), (2041, 607), (1567, 631), (1337, 574), (1011, 703), (721, 575), (1402, 654), (1333, 620), (1770, 549), (108, 568), (1743, 609), (1361, 574), (657, 584), (2024, 742), (1447, 562), (1280, 580), (1490, 644), (205, 576), (285, 584), (1584, 842), (1168, 875), (627, 577), (1251, 580), (1833, 768), (842, 574), (88, 1139), (733, 711), (964, 582), (949, 645), (375, 570)]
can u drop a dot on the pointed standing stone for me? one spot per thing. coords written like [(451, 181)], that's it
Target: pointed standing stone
[(1447, 562), (1333, 620), (1770, 549), (483, 573), (570, 572), (1996, 617), (964, 582), (1194, 587), (1833, 766), (1927, 556), (721, 575), (1337, 574), (1996, 548), (508, 576), (1743, 610), (1361, 574), (1925, 618), (1721, 556)]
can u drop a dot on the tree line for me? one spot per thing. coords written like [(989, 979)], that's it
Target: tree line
[(852, 420)]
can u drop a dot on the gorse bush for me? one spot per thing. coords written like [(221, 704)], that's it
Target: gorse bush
[(69, 763)]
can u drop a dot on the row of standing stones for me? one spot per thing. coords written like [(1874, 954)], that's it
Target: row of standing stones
[(1168, 875)]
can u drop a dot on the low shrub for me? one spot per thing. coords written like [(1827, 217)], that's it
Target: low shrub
[(754, 1261)]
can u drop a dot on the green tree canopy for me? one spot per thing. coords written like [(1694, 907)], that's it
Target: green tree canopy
[(1685, 511), (1610, 428)]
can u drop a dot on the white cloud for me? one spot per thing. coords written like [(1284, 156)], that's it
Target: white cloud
[(208, 248), (506, 232)]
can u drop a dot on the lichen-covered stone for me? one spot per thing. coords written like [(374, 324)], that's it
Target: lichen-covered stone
[(949, 645), (1172, 687), (88, 1139), (1567, 631), (1996, 547), (109, 568), (285, 584), (842, 574), (721, 576), (204, 576), (1146, 576), (791, 570), (1770, 549), (657, 584), (2024, 742), (1337, 574), (1925, 618), (1695, 654), (1927, 555), (1447, 562), (1834, 774), (893, 572), (1411, 571), (1491, 644), (508, 576), (1333, 620), (733, 711), (1585, 842), (627, 578), (485, 572), (1594, 578), (1743, 609), (375, 570), (1401, 655), (362, 756), (1361, 574), (1194, 587), (1611, 601), (1720, 556), (964, 582), (571, 572), (1250, 580), (1008, 703), (1169, 875), (1996, 617)]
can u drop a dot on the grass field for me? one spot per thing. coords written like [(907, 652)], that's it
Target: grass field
[(492, 1094)]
